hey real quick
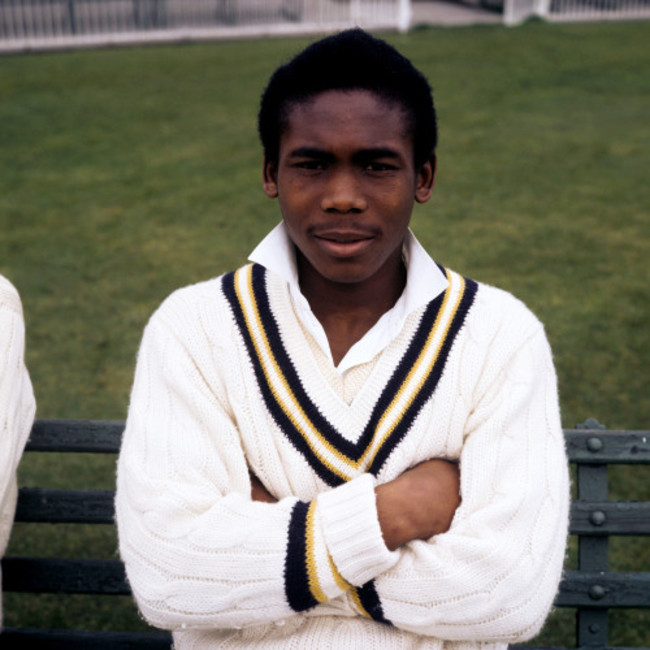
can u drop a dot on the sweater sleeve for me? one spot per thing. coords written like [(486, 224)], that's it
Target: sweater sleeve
[(199, 553), (493, 576), (17, 405)]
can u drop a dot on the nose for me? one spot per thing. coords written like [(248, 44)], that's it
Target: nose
[(343, 193)]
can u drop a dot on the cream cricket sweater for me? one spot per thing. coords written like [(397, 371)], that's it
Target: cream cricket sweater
[(17, 405), (227, 379)]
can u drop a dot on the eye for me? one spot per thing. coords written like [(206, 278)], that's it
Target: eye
[(312, 165), (379, 167)]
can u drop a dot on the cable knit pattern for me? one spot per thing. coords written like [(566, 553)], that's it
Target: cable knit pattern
[(227, 380), (17, 405)]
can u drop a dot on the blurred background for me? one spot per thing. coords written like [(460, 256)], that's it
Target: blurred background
[(130, 166)]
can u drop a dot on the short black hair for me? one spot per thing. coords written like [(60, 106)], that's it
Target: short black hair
[(349, 60)]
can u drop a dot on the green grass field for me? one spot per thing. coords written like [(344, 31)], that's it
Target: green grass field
[(125, 173)]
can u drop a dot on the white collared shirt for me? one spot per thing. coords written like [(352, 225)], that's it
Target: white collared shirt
[(424, 281)]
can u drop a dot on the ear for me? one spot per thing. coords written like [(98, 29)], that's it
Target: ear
[(270, 179), (426, 179)]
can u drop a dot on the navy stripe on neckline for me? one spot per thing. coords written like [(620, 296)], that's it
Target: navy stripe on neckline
[(353, 451)]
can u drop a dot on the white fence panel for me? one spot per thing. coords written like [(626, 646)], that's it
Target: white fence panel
[(516, 11), (50, 24)]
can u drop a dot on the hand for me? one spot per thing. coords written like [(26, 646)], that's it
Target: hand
[(259, 492), (420, 503)]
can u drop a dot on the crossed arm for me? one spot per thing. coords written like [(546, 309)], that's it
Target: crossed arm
[(17, 405), (418, 504), (199, 552)]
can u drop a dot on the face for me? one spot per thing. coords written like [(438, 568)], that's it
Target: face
[(346, 183)]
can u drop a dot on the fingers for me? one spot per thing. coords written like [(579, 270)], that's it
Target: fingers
[(259, 492), (420, 503)]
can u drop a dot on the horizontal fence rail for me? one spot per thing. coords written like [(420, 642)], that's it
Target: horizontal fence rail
[(599, 590), (516, 11), (19, 639), (64, 576), (39, 505), (42, 24), (624, 447), (27, 25), (592, 589), (92, 436)]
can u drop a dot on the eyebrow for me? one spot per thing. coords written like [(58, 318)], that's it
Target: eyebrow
[(311, 152), (376, 152), (371, 153)]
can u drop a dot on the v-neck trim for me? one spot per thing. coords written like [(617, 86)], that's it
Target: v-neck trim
[(425, 281), (332, 455)]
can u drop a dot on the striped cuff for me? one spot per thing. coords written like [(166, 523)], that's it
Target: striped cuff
[(351, 529), (310, 575)]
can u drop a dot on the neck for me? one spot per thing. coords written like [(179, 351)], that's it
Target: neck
[(348, 310)]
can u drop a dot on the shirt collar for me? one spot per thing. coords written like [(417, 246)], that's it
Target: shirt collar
[(424, 281)]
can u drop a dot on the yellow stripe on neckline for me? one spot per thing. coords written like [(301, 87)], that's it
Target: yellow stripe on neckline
[(337, 462), (289, 404), (410, 387)]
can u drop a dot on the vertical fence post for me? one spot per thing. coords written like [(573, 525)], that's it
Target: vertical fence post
[(543, 8), (355, 12), (593, 552), (72, 19), (404, 15), (510, 14)]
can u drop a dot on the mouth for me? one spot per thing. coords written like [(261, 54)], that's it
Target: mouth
[(339, 243)]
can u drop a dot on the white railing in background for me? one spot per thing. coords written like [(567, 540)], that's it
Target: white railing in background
[(516, 11), (50, 24)]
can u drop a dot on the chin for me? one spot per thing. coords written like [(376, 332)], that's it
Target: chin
[(348, 277)]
